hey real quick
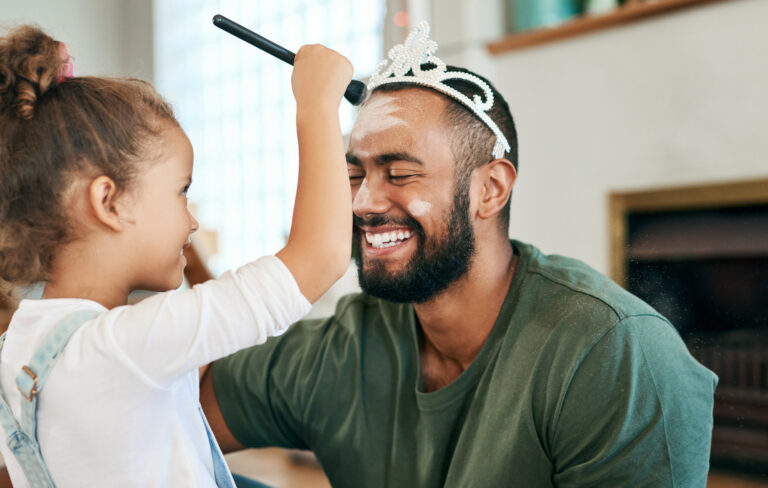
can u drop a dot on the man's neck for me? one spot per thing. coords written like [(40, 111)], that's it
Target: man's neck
[(456, 323)]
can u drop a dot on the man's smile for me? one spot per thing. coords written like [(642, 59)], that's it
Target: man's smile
[(385, 240), (382, 238)]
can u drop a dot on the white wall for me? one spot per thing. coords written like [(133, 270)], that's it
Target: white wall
[(677, 99), (106, 37)]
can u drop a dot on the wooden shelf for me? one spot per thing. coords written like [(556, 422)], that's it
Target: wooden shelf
[(629, 12)]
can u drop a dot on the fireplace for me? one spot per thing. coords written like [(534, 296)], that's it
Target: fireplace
[(699, 255)]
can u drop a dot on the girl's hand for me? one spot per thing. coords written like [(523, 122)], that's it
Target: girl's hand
[(320, 77)]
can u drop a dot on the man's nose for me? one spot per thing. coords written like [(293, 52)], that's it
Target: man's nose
[(370, 199)]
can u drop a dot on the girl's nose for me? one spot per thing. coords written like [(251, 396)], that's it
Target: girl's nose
[(194, 223)]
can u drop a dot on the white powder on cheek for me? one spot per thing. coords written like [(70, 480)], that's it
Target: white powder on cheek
[(376, 116), (419, 207)]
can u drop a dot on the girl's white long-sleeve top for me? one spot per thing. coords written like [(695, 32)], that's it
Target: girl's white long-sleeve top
[(120, 408)]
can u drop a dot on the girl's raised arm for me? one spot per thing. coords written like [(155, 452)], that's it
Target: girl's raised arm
[(318, 248)]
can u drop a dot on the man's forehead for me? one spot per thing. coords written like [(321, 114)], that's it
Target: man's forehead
[(410, 110), (383, 111)]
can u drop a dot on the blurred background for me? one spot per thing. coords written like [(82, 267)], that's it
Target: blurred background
[(643, 148)]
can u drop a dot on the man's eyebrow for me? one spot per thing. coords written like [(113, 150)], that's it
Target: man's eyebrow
[(354, 160), (385, 158), (396, 156)]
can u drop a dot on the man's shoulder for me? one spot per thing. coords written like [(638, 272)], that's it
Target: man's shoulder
[(566, 305), (357, 318), (575, 318), (566, 280), (358, 310), (359, 302), (356, 305)]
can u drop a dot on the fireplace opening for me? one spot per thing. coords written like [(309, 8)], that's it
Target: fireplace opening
[(705, 270)]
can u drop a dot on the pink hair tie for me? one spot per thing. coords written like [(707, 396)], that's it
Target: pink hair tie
[(68, 69)]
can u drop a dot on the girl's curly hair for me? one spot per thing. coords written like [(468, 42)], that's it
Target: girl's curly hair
[(54, 131)]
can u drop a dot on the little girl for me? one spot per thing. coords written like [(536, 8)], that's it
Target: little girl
[(93, 180)]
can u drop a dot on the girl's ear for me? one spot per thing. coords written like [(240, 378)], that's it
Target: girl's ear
[(102, 197), (498, 178)]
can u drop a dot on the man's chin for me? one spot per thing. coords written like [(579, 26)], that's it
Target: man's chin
[(391, 281), (384, 268), (417, 277)]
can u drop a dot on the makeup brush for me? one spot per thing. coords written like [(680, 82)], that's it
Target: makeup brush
[(356, 90)]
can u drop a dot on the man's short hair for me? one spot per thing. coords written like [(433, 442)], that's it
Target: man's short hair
[(471, 141)]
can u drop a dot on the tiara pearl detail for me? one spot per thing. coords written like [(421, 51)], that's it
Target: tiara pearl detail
[(419, 49)]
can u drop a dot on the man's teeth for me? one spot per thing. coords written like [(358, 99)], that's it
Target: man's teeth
[(387, 239)]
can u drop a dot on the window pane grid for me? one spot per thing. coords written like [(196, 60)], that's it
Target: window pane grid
[(236, 105)]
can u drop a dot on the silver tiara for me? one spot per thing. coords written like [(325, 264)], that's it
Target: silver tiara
[(419, 49)]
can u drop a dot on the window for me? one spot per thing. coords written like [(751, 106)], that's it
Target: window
[(236, 105)]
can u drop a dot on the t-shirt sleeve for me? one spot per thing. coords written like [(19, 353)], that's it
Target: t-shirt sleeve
[(637, 412), (262, 391), (170, 334)]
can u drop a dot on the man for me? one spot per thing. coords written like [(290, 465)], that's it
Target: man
[(470, 360)]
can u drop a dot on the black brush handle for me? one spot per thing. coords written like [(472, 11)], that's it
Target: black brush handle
[(356, 90)]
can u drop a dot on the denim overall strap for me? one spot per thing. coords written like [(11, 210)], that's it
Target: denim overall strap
[(220, 470), (26, 450), (32, 377), (22, 439)]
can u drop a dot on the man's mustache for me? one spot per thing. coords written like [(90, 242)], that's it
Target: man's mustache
[(382, 220)]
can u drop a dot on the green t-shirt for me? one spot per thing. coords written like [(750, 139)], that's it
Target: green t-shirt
[(579, 384)]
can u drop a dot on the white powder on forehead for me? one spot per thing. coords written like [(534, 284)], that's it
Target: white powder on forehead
[(419, 207), (376, 116)]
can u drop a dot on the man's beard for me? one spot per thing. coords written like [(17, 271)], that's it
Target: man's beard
[(434, 266)]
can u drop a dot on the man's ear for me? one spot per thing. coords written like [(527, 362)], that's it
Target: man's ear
[(498, 178), (102, 197)]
